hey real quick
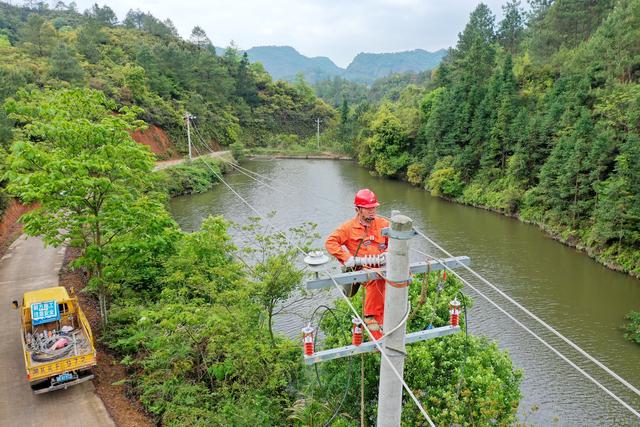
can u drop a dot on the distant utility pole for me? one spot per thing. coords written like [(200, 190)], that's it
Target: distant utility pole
[(188, 118), (318, 131)]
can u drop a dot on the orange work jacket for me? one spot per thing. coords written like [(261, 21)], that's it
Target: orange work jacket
[(349, 235)]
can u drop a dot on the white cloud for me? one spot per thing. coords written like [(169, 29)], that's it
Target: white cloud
[(337, 29)]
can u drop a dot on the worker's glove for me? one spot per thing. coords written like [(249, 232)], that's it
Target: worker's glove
[(382, 258)]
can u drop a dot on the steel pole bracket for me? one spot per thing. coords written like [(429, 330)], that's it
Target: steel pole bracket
[(401, 235)]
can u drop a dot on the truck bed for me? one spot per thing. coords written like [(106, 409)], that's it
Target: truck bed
[(82, 348)]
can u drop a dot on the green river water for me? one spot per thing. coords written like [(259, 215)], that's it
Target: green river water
[(580, 298)]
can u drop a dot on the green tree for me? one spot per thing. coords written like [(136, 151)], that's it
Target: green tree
[(199, 347), (90, 38), (633, 327), (499, 146), (386, 150), (245, 83), (564, 23), (74, 156), (617, 214), (511, 29), (65, 65), (38, 36), (200, 39), (464, 380), (474, 54), (104, 15), (270, 258)]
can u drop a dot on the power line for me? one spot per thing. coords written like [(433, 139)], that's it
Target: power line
[(549, 346), (540, 321), (547, 326), (264, 177), (550, 328), (376, 342)]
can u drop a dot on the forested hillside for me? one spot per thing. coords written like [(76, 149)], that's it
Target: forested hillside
[(536, 116), (142, 62)]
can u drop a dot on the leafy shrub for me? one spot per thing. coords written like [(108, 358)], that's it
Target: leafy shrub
[(416, 173), (199, 349), (633, 327), (461, 380), (445, 182), (190, 177), (502, 194), (237, 150)]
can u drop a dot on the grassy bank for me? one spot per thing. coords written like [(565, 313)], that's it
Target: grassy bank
[(191, 177), (294, 153)]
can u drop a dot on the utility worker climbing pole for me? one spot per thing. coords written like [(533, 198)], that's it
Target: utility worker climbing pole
[(359, 243)]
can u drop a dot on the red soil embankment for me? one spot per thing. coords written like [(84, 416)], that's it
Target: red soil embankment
[(158, 141), (10, 228)]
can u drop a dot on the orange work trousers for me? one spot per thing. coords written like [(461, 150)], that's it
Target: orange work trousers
[(374, 300)]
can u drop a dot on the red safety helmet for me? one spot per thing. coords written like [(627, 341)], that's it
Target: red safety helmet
[(366, 198)]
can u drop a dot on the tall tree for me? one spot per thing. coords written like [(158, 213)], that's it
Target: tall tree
[(200, 39), (75, 157), (617, 214), (89, 39), (511, 28), (245, 83), (500, 146), (474, 54), (103, 15), (65, 64), (38, 35)]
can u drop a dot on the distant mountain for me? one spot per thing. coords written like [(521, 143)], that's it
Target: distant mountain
[(284, 62), (367, 67)]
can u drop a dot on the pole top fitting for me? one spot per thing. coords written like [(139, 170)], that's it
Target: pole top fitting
[(401, 227)]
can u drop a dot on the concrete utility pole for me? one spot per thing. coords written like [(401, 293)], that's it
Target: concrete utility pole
[(398, 273), (395, 310), (187, 117), (318, 131)]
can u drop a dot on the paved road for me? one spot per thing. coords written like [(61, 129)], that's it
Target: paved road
[(168, 163), (28, 265)]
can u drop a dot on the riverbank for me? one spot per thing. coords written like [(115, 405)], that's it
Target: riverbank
[(609, 257), (276, 153)]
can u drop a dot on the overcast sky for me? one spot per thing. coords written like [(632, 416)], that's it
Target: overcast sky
[(337, 29)]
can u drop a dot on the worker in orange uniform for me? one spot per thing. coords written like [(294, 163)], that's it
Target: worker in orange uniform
[(359, 243)]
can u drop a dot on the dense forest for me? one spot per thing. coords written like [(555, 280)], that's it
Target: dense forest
[(536, 116), (190, 314), (142, 62)]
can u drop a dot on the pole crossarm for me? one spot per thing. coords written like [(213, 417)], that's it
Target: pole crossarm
[(366, 275), (369, 346)]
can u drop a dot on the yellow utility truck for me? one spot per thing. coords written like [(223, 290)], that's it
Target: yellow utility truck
[(56, 340)]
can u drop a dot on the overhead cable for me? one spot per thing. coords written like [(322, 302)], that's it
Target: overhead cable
[(549, 346), (377, 344), (540, 321)]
